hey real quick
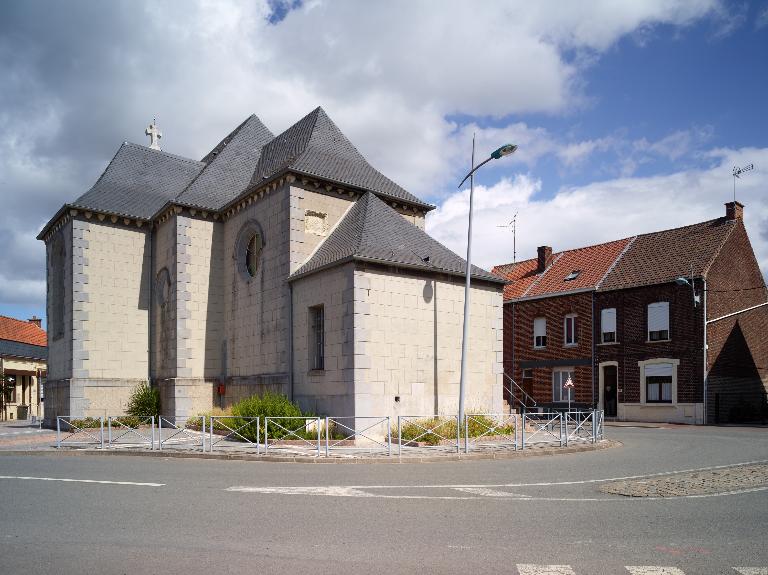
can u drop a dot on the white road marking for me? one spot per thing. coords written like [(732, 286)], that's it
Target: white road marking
[(654, 570), (98, 481), (531, 569), (490, 492), (476, 493), (752, 570), (25, 432)]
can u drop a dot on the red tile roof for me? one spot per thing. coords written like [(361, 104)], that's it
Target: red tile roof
[(22, 331), (588, 266), (660, 257)]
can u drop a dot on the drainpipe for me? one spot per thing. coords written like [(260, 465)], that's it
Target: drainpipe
[(290, 341), (706, 375), (150, 331), (594, 349)]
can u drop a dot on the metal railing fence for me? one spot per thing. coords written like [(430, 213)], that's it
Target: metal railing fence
[(238, 431), (491, 430), (127, 431), (375, 435), (331, 436), (179, 432), (79, 431), (437, 431), (538, 428), (292, 432)]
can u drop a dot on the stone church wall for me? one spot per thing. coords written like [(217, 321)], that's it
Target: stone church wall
[(164, 301), (256, 308), (408, 332), (329, 391)]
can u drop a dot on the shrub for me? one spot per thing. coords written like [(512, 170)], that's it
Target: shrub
[(144, 401), (434, 430), (271, 405)]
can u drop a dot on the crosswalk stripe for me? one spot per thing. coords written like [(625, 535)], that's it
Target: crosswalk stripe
[(752, 570), (531, 569), (653, 570)]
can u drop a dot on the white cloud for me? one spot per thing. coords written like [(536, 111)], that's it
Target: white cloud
[(602, 211)]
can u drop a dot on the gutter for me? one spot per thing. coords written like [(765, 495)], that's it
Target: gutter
[(548, 295)]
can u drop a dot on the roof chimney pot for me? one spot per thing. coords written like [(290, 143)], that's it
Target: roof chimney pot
[(36, 320), (734, 211), (545, 258)]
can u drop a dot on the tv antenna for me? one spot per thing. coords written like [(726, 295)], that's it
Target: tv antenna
[(512, 224), (737, 174)]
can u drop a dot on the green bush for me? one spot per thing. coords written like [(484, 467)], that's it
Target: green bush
[(271, 405), (144, 401)]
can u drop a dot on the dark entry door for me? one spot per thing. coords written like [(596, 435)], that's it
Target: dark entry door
[(610, 396)]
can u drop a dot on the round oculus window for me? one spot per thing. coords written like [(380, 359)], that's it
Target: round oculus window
[(253, 254)]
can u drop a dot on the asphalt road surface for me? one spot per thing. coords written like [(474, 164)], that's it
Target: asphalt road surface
[(692, 512)]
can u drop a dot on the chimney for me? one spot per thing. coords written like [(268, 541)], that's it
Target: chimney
[(36, 320), (545, 258), (734, 211)]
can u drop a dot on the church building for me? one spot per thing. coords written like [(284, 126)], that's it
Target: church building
[(275, 263)]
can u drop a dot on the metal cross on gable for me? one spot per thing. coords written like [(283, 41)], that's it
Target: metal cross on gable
[(154, 134)]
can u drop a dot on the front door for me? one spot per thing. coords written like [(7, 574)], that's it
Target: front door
[(610, 395)]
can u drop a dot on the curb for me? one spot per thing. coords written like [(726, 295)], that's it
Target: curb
[(522, 453)]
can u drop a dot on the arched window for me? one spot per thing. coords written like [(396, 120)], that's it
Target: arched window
[(253, 254), (249, 248)]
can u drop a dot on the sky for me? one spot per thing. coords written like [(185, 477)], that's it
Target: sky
[(629, 116)]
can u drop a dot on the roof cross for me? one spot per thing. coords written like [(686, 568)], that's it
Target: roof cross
[(154, 134)]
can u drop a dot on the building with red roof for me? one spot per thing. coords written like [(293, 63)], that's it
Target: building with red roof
[(663, 326), (23, 359)]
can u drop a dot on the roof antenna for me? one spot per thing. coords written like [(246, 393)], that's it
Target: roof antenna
[(512, 224), (737, 174)]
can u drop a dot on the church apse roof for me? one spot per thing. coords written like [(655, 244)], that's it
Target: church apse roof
[(228, 167), (316, 147), (138, 182), (372, 231)]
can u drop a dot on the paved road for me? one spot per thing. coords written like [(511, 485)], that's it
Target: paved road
[(541, 515)]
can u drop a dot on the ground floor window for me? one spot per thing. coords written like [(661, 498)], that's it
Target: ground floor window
[(658, 382), (560, 377), (316, 337)]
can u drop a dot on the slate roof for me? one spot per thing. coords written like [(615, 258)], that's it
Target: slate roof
[(17, 349), (228, 167), (138, 182), (373, 231), (315, 146), (660, 257), (589, 265), (21, 331)]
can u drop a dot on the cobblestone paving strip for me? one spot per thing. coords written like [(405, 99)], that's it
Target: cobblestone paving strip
[(696, 483)]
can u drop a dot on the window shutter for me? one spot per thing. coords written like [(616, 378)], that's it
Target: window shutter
[(658, 370), (658, 316), (608, 320), (539, 327)]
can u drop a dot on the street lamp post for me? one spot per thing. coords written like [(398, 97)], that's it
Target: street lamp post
[(499, 153)]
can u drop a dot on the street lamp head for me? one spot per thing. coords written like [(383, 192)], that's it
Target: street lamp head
[(505, 150), (681, 281)]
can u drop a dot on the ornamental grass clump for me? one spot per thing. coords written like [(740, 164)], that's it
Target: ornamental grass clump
[(144, 401), (433, 431)]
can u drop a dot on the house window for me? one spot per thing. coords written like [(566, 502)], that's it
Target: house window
[(658, 383), (10, 388), (571, 333), (540, 332), (317, 337), (572, 276), (608, 325), (528, 373), (559, 378), (658, 321)]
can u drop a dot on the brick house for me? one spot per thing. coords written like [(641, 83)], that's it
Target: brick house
[(665, 301), (23, 356)]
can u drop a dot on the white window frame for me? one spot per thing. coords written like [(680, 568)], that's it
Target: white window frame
[(544, 341), (573, 317), (603, 332), (648, 322), (558, 381), (642, 364)]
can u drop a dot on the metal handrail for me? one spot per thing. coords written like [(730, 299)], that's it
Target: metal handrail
[(523, 392), (117, 429), (291, 433), (499, 422), (353, 433), (416, 420), (180, 433), (75, 430), (217, 422)]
